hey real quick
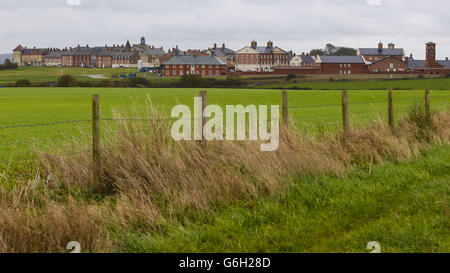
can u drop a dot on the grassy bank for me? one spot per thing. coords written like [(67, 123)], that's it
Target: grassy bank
[(403, 206)]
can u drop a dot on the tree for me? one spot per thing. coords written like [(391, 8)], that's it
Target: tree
[(346, 51), (23, 83), (330, 50), (66, 81), (316, 52), (7, 64)]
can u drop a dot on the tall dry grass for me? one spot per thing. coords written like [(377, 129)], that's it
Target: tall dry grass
[(148, 179)]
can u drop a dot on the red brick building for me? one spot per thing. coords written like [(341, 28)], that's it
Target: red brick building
[(375, 54), (388, 64), (180, 65), (343, 65), (430, 66)]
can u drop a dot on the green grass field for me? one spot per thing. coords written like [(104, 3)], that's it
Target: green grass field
[(402, 205), (312, 111), (51, 74)]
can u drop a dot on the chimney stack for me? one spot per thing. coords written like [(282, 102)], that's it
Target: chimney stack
[(254, 44), (391, 46), (269, 44), (446, 58), (223, 46), (380, 47), (215, 46)]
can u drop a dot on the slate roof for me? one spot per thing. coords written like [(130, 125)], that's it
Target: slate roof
[(155, 51), (189, 59), (384, 51), (421, 64), (307, 59), (341, 59), (444, 63)]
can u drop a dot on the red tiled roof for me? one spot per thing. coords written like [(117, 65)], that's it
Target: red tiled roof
[(19, 48)]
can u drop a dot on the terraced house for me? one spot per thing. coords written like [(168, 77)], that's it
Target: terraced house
[(261, 58), (180, 65)]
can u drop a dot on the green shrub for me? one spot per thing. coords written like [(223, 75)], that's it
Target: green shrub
[(23, 83), (66, 81)]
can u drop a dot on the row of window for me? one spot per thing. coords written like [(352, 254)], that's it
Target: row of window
[(345, 65), (181, 73), (189, 66), (345, 72)]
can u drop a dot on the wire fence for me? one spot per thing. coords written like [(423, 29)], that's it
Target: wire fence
[(303, 115)]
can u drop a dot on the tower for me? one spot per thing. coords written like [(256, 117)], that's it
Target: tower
[(142, 40), (431, 55)]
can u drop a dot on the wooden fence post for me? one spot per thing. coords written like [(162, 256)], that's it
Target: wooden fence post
[(345, 115), (427, 103), (96, 139), (390, 108), (285, 109), (203, 95)]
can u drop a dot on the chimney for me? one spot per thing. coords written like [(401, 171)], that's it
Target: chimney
[(87, 46), (303, 53), (446, 58), (223, 46), (380, 47), (391, 46), (215, 46), (269, 44), (254, 44)]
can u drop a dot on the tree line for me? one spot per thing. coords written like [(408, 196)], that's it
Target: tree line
[(7, 64), (332, 50)]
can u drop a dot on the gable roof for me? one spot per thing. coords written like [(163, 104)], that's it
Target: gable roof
[(384, 51), (19, 48), (340, 59), (385, 58), (189, 59)]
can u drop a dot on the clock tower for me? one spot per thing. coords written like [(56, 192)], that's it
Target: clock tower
[(431, 55)]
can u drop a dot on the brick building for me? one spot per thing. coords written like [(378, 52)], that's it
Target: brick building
[(225, 54), (23, 56), (430, 65), (344, 65), (388, 64), (374, 54), (180, 65), (261, 58)]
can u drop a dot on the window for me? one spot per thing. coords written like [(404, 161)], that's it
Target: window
[(174, 72), (210, 73), (345, 65), (340, 66), (203, 66), (181, 72), (203, 73), (349, 65), (217, 72), (349, 72)]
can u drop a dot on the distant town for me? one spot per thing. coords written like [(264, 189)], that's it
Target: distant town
[(218, 60)]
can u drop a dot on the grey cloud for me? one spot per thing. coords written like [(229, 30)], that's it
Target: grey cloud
[(292, 24)]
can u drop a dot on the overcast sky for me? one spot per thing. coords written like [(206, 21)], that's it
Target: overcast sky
[(297, 25)]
